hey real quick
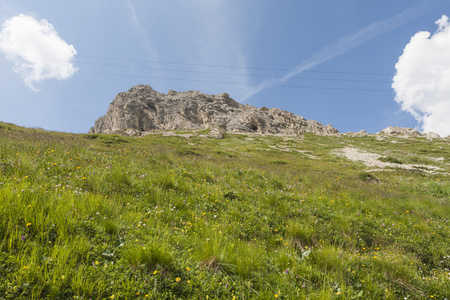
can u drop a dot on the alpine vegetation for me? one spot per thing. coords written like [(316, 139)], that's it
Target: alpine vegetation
[(248, 216)]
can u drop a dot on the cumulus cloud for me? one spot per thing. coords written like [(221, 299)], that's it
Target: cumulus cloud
[(36, 49), (422, 81)]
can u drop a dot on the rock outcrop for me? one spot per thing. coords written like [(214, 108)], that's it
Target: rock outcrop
[(143, 109), (357, 134), (407, 132)]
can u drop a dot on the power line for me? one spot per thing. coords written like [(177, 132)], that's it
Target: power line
[(243, 68), (234, 74), (246, 84), (242, 74)]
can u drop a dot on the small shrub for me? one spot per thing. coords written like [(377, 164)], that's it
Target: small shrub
[(92, 136), (186, 152), (390, 159), (231, 196), (279, 162), (364, 176)]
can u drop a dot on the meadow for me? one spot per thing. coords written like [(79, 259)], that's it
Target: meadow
[(244, 217)]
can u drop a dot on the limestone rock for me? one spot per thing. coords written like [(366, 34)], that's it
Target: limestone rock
[(143, 109), (401, 131), (357, 134), (408, 132), (431, 135)]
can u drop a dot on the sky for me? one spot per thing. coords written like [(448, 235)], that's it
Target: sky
[(357, 65)]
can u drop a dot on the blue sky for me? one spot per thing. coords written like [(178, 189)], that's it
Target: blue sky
[(326, 60)]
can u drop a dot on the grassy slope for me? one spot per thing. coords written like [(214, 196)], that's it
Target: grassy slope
[(93, 216)]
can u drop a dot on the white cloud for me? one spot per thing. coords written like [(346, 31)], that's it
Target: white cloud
[(422, 81), (36, 49), (343, 45)]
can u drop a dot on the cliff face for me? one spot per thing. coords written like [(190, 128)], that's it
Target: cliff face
[(143, 109)]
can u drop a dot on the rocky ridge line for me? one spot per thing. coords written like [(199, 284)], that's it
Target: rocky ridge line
[(142, 109), (402, 132)]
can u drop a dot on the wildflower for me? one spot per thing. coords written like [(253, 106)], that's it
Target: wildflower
[(276, 295), (178, 279), (188, 269), (287, 271), (156, 271), (28, 224), (111, 297), (23, 238)]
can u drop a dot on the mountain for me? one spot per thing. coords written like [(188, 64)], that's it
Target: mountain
[(143, 109)]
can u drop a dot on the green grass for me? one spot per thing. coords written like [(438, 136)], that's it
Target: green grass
[(153, 217), (390, 159)]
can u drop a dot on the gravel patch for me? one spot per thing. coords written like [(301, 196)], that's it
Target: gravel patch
[(371, 160)]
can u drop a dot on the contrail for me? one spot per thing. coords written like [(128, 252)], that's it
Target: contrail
[(344, 45), (151, 50)]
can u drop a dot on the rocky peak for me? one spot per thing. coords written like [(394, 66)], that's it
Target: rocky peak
[(143, 109)]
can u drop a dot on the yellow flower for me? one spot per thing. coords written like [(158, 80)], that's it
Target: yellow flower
[(28, 224), (187, 269), (276, 295), (111, 297), (156, 271), (178, 279)]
